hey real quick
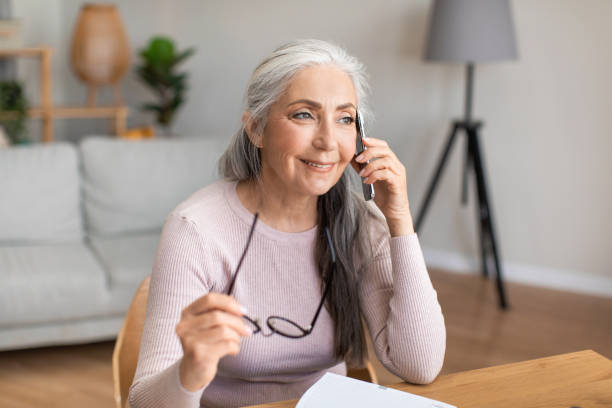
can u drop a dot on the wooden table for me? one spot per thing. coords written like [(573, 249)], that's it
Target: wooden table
[(582, 379)]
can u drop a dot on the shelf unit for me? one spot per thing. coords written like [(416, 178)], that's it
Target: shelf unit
[(47, 112)]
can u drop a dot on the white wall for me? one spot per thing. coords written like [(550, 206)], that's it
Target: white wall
[(548, 127)]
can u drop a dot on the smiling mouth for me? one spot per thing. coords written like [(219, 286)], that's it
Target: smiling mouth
[(317, 165)]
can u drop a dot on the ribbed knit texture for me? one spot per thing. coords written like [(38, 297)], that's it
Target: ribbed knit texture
[(200, 246)]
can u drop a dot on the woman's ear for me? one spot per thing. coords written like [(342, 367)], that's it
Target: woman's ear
[(249, 127)]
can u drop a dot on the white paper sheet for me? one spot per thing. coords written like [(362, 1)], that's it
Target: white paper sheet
[(333, 390)]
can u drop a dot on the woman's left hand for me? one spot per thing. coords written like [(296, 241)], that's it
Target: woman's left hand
[(388, 175)]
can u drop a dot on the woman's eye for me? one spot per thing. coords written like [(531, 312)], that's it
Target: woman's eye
[(348, 120), (302, 115)]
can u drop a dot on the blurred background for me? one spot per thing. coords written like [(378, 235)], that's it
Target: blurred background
[(547, 134), (546, 142)]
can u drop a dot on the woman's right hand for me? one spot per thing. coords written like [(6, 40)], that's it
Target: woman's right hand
[(211, 327)]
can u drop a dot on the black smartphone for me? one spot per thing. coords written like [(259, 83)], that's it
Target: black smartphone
[(368, 189)]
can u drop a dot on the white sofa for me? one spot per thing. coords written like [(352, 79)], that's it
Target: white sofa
[(79, 227)]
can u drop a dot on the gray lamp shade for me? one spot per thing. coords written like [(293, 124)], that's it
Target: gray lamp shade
[(470, 31)]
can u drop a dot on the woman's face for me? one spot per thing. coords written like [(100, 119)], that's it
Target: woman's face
[(309, 138)]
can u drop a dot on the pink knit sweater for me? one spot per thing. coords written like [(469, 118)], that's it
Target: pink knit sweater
[(200, 245)]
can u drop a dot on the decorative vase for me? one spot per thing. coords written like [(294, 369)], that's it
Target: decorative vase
[(100, 52)]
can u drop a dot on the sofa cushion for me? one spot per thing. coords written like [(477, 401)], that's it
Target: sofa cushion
[(50, 283), (39, 190), (131, 186), (127, 260)]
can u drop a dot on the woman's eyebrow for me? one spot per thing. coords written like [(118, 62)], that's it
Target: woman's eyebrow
[(346, 105), (319, 106)]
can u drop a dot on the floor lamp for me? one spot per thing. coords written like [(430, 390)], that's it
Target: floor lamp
[(469, 32)]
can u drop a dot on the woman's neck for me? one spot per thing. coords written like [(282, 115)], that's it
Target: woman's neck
[(278, 208)]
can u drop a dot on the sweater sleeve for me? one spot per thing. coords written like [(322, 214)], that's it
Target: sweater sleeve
[(402, 312), (176, 281)]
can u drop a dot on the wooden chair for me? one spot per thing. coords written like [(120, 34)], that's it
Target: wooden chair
[(125, 353)]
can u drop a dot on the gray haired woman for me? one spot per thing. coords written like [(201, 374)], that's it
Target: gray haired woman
[(313, 256)]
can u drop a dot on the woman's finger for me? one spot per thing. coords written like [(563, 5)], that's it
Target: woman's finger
[(374, 153), (220, 318), (372, 141), (207, 348), (215, 335), (356, 166), (215, 301), (380, 175), (385, 163), (214, 318)]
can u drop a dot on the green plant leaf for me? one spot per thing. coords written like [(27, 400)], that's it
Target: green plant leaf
[(12, 98), (183, 56), (152, 107), (178, 80), (161, 49)]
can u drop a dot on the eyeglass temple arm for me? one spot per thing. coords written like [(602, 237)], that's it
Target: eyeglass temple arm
[(314, 319), (333, 269), (231, 287)]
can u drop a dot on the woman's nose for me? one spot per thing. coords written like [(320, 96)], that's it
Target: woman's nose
[(325, 136)]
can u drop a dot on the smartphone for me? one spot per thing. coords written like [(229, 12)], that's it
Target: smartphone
[(368, 189)]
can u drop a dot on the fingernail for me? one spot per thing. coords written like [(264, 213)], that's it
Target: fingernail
[(244, 310), (249, 330), (359, 158), (362, 171)]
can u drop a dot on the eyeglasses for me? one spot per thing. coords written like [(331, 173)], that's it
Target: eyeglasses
[(278, 324)]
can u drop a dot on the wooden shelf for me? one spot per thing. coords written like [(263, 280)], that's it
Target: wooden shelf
[(46, 111), (25, 52), (79, 111), (118, 113)]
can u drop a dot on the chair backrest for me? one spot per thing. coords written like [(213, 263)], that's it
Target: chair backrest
[(127, 346)]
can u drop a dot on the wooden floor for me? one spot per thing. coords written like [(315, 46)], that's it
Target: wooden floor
[(539, 323)]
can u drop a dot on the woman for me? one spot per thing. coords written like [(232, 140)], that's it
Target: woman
[(286, 217)]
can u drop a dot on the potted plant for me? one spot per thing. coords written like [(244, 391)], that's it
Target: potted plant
[(158, 70), (13, 101)]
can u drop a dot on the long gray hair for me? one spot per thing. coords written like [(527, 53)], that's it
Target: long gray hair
[(342, 210)]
